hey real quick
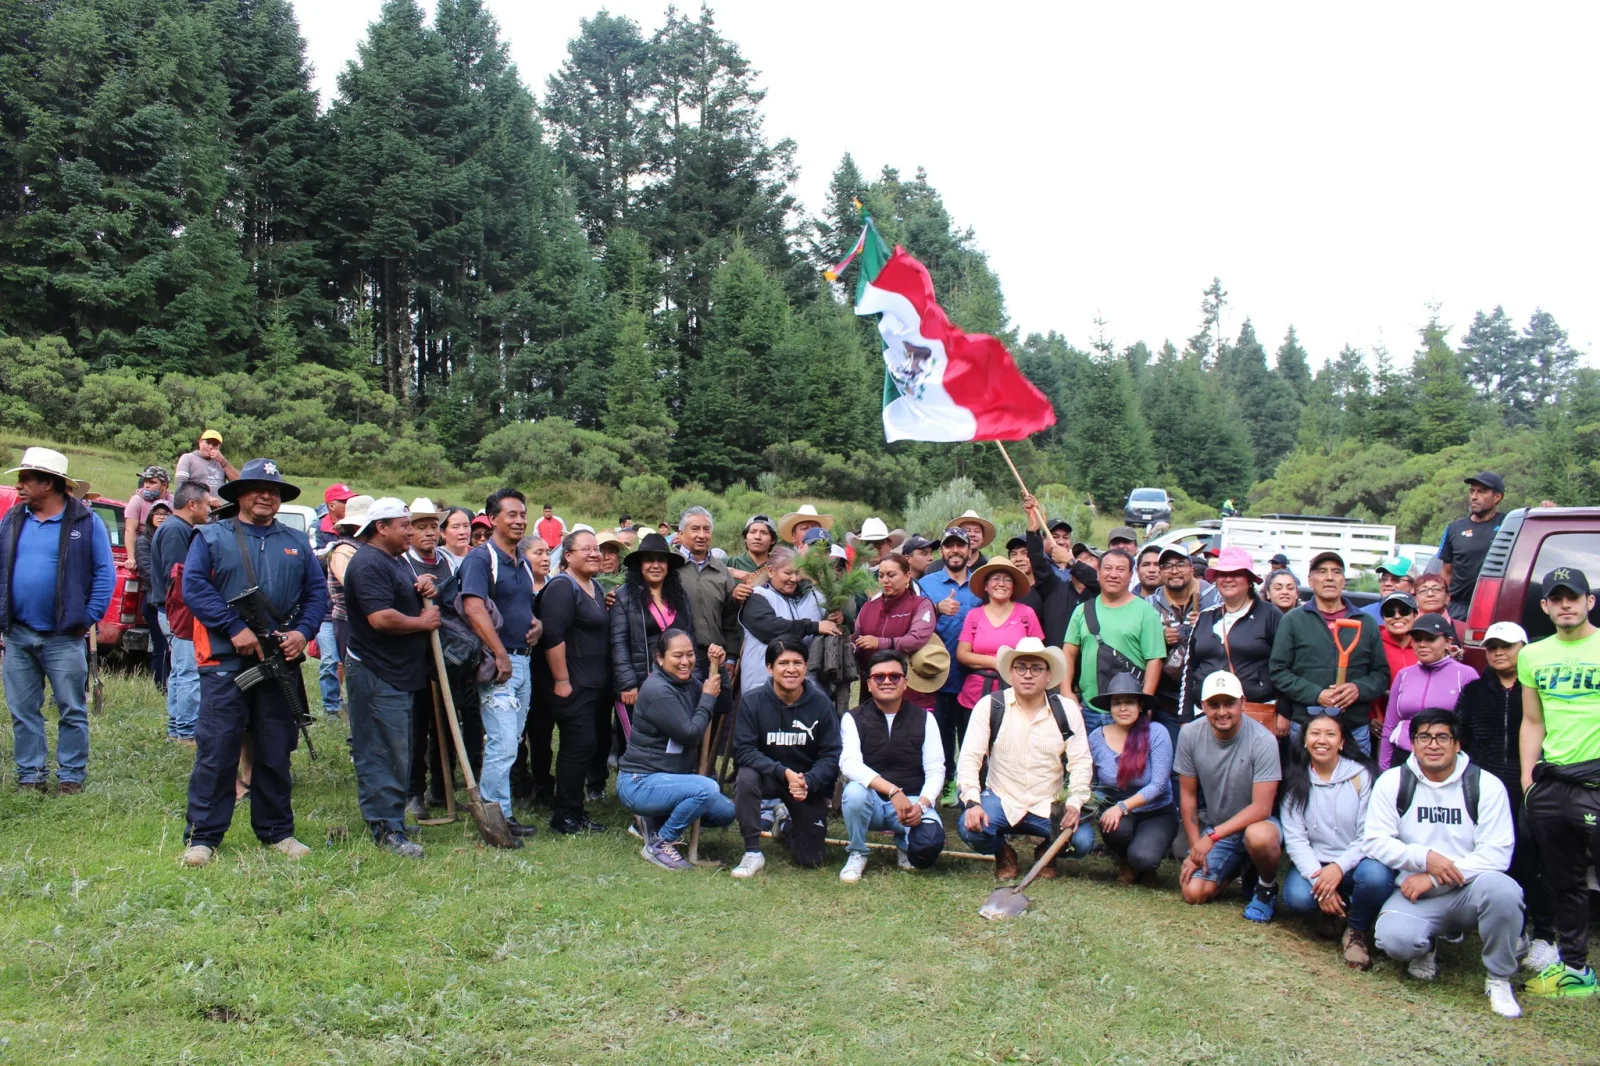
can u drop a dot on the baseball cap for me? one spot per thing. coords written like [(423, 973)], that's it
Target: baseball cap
[(336, 492), (1059, 523), (815, 534), (1323, 557), (1172, 551), (211, 434), (915, 543), (1565, 577), (1505, 633), (1080, 547), (838, 552), (1492, 482), (1396, 566), (159, 473), (1016, 542), (1404, 599), (1279, 562), (956, 533), (1433, 625), (1221, 683), (760, 519), (381, 509), (1123, 533)]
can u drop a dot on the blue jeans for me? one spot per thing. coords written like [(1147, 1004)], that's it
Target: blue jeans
[(679, 798), (505, 714), (380, 746), (1228, 857), (328, 667), (183, 685), (865, 810), (988, 841), (1365, 889), (31, 657), (1093, 719)]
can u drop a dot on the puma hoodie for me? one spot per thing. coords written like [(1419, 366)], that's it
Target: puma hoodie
[(772, 736), (1438, 821)]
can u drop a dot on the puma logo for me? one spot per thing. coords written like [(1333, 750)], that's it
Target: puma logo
[(809, 730)]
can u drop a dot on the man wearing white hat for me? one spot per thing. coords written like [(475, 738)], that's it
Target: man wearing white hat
[(423, 557), (387, 666), (874, 537), (56, 580), (1036, 748)]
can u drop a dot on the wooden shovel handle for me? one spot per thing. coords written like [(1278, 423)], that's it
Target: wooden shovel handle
[(1044, 860), (450, 706)]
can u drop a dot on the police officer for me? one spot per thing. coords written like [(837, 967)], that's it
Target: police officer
[(217, 569)]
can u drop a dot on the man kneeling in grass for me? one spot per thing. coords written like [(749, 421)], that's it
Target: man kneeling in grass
[(894, 761), (1038, 752), (1228, 774)]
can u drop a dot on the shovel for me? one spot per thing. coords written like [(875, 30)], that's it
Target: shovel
[(1341, 626), (694, 833), (444, 762), (97, 684), (490, 819), (1009, 902)]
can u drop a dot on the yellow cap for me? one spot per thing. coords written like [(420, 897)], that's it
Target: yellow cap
[(211, 434)]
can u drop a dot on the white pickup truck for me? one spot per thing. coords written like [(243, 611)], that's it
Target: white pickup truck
[(1300, 537)]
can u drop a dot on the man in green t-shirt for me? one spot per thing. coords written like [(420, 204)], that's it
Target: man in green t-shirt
[(1560, 737), (1128, 627)]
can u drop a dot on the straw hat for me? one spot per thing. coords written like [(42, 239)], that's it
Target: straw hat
[(1033, 647), (355, 513), (48, 461), (806, 513), (979, 581), (974, 516), (930, 667)]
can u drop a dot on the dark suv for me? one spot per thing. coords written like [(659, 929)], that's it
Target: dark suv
[(1531, 542), (1145, 506)]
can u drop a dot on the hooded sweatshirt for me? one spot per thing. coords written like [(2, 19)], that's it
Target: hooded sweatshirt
[(1328, 828), (1416, 689), (772, 736), (1438, 821)]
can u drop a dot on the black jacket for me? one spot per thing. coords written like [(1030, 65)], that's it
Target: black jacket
[(1490, 717), (772, 736), (632, 657), (667, 710), (1059, 597), (1249, 641)]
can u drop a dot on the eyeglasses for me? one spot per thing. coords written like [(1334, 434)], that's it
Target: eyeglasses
[(1176, 564), (887, 679), (1028, 669), (1432, 740)]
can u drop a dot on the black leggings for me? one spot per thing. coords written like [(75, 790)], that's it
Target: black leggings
[(808, 819), (575, 716), (1142, 838)]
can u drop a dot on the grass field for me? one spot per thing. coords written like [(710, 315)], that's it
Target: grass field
[(577, 951)]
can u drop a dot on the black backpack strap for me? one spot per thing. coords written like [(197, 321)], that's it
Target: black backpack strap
[(1090, 618), (1406, 794), (1472, 789), (997, 714), (1059, 710)]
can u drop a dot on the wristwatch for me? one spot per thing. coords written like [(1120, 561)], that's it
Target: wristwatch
[(1211, 834), (1123, 807)]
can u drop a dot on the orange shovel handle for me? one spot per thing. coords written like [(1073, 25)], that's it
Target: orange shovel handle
[(1345, 649)]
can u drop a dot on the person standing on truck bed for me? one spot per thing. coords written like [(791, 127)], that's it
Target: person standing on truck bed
[(1560, 753), (1466, 541), (56, 578), (207, 463)]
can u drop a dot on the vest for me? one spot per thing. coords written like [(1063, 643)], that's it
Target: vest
[(74, 564), (896, 755), (279, 560), (753, 672)]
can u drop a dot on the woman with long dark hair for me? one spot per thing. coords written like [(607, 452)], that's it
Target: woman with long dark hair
[(1133, 778), (650, 602), (1327, 783)]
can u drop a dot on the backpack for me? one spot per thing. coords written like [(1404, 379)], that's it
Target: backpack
[(179, 618), (997, 714), (1471, 788), (1109, 662)]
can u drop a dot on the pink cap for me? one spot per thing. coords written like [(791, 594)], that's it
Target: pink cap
[(1233, 561)]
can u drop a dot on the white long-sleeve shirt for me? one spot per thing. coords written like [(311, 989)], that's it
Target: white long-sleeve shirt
[(855, 768), (1438, 821), (1025, 764)]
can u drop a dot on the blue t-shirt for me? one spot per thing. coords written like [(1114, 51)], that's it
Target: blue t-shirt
[(937, 585), (1154, 784), (33, 573), (512, 593)]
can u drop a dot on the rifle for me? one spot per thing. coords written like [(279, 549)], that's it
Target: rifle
[(257, 612)]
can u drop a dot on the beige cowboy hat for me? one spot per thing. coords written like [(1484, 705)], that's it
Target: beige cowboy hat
[(422, 507), (609, 536), (930, 667), (49, 461), (1033, 647), (978, 582), (806, 513), (355, 513), (974, 516)]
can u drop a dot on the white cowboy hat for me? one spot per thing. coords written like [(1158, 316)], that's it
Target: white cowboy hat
[(807, 512), (1038, 649), (872, 531), (355, 513), (974, 516), (422, 507), (48, 461)]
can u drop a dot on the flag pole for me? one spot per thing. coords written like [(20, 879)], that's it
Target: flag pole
[(1007, 456)]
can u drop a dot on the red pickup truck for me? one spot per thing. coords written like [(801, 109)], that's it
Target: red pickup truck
[(122, 627), (1530, 543)]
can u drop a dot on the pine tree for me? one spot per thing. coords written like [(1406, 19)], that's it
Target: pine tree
[(1390, 416), (1443, 397), (1498, 367), (636, 405), (1265, 400), (1203, 345), (1293, 365), (1111, 448), (1197, 434), (1550, 359)]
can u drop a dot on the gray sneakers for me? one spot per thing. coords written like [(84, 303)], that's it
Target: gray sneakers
[(396, 843), (664, 853)]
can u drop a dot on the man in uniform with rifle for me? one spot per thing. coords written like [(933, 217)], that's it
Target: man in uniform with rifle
[(258, 596)]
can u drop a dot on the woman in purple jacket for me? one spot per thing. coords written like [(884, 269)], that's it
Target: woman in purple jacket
[(1435, 681)]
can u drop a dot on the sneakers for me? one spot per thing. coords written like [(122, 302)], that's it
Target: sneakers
[(1559, 979), (1501, 999), (1425, 967), (1357, 952), (951, 795), (576, 826), (1540, 955), (416, 810), (903, 860), (198, 855), (855, 864), (641, 829), (752, 863), (290, 848), (398, 844), (664, 853), (1262, 904)]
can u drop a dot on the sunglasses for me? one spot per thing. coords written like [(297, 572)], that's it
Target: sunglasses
[(1398, 610), (1323, 712), (1177, 564), (887, 679)]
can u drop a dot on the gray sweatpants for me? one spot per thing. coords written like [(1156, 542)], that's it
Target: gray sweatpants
[(1490, 902)]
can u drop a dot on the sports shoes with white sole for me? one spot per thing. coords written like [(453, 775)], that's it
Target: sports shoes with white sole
[(855, 864), (1501, 999), (198, 855), (290, 848), (752, 863)]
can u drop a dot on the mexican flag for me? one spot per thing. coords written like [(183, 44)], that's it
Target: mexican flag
[(939, 384)]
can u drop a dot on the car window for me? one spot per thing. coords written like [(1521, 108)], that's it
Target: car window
[(111, 515), (293, 519), (1148, 496), (1580, 551)]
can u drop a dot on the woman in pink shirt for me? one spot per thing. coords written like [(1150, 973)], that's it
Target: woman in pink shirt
[(999, 622)]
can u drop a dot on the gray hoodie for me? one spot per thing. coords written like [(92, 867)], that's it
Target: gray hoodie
[(1329, 827)]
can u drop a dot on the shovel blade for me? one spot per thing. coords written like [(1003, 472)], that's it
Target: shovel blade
[(1003, 903), (491, 821)]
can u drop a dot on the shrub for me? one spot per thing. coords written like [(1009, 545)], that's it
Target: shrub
[(643, 494)]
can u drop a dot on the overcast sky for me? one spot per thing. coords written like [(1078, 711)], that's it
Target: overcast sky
[(1340, 167)]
